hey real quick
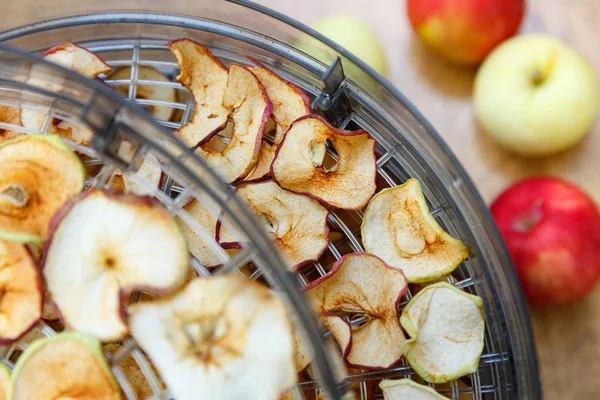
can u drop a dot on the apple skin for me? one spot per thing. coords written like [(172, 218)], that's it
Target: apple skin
[(465, 31), (552, 231), (536, 96)]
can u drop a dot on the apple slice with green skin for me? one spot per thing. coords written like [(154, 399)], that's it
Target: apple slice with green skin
[(75, 58), (21, 291), (224, 337), (124, 243), (446, 327), (406, 389), (149, 92), (69, 365), (398, 228), (362, 284), (4, 381), (149, 172), (38, 173), (249, 109), (300, 163), (289, 104), (206, 78), (296, 223)]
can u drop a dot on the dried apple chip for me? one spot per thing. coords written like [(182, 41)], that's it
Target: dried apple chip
[(4, 381), (38, 173), (289, 104), (224, 337), (446, 327), (300, 166), (149, 172), (362, 284), (406, 389), (296, 223), (398, 228)]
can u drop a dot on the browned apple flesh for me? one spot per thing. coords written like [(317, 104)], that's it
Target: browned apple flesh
[(21, 291), (300, 163), (104, 245), (38, 173), (206, 78), (360, 284)]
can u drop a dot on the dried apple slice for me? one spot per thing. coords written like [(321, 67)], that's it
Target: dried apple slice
[(21, 293), (4, 381), (289, 104), (104, 245), (300, 166), (206, 78), (296, 223), (406, 389), (362, 284), (80, 60), (221, 338), (446, 327), (149, 172), (38, 173), (69, 365), (9, 115), (249, 109), (149, 92), (398, 228)]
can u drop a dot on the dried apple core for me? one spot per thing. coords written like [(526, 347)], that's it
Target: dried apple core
[(15, 194), (320, 157), (219, 142)]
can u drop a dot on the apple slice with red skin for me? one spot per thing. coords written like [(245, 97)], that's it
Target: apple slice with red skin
[(224, 337), (299, 164), (398, 228), (406, 389), (362, 284), (38, 173), (21, 291), (289, 104), (296, 223), (69, 365), (80, 60), (206, 78), (123, 243)]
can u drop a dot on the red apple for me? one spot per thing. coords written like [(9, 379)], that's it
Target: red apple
[(465, 31), (552, 231)]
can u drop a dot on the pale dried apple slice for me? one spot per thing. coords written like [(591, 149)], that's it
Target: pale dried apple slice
[(300, 166), (75, 58), (289, 104), (21, 292), (249, 109), (398, 228), (69, 365), (362, 284), (296, 223), (446, 327), (104, 245), (221, 338), (4, 381), (206, 78), (38, 173), (406, 389), (149, 172), (149, 92)]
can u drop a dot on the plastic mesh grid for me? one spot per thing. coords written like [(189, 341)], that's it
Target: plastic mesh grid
[(345, 224)]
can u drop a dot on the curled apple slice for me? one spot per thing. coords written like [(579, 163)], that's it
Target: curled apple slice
[(22, 291), (66, 366), (446, 327), (104, 245), (38, 173), (80, 60), (149, 92), (406, 389), (206, 78), (296, 223), (289, 104), (398, 228), (4, 381), (361, 284), (300, 163), (221, 338), (149, 172)]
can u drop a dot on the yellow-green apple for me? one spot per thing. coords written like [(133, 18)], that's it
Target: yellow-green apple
[(536, 96), (465, 31), (552, 231)]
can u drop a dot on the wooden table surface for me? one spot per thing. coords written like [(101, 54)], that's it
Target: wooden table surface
[(567, 339)]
